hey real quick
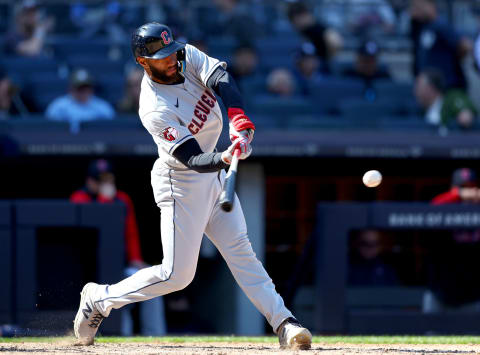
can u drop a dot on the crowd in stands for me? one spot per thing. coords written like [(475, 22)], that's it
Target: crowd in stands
[(307, 62)]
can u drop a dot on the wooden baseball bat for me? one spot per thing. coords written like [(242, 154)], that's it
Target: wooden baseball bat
[(228, 192)]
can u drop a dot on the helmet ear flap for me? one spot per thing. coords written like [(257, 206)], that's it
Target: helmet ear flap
[(181, 61)]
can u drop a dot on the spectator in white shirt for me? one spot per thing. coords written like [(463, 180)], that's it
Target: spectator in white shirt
[(80, 104)]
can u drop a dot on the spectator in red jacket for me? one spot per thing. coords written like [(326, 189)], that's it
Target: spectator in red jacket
[(452, 255), (464, 188), (100, 187)]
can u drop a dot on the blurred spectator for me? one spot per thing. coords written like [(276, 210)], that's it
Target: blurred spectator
[(280, 82), (402, 16), (443, 107), (244, 63), (464, 188), (307, 66), (452, 285), (131, 97), (230, 18), (80, 104), (367, 265), (327, 41), (28, 36), (11, 104), (436, 44), (363, 17), (100, 187), (103, 19), (367, 68)]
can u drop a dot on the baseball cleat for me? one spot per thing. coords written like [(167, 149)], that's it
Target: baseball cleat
[(292, 335), (88, 318)]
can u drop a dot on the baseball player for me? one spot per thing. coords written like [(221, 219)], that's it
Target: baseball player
[(179, 109)]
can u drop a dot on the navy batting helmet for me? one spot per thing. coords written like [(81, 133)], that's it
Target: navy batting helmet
[(154, 40)]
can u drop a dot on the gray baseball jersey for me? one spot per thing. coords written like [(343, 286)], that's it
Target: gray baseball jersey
[(174, 113), (188, 200)]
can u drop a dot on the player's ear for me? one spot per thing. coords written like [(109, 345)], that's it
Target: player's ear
[(142, 61)]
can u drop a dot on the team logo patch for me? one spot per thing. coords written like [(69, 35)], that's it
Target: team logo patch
[(170, 134)]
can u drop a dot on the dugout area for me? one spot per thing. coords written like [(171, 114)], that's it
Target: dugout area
[(290, 222)]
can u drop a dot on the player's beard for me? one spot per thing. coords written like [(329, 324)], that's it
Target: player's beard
[(162, 77)]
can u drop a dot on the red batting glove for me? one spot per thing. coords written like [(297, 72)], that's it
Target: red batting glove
[(240, 125), (239, 120)]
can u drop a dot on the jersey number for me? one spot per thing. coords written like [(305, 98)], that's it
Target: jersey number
[(166, 38)]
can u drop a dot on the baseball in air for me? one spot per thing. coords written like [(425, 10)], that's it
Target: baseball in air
[(372, 178)]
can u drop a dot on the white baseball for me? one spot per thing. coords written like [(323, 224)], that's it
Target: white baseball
[(372, 178)]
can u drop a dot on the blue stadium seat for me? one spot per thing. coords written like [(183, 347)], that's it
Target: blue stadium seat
[(221, 47), (329, 93), (252, 88), (410, 123), (264, 122), (4, 17), (281, 108), (109, 125), (43, 89), (66, 47), (362, 109), (37, 125), (97, 66), (4, 126), (63, 21), (22, 67), (317, 122), (277, 52), (111, 88), (388, 88)]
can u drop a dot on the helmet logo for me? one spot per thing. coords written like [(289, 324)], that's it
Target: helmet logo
[(166, 37)]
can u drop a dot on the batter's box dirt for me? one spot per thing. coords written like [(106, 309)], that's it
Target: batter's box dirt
[(67, 347)]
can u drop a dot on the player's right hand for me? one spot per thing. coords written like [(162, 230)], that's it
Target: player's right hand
[(240, 143)]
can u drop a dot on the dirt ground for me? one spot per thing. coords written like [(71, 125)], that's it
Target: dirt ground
[(230, 348)]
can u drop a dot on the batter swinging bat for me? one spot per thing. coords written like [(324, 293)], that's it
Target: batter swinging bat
[(228, 193)]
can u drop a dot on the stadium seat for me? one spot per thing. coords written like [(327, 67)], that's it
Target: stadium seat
[(329, 93), (221, 47), (317, 122), (43, 89), (264, 122), (38, 125), (276, 52), (97, 66), (388, 89), (252, 88), (109, 125), (68, 47), (22, 67), (280, 108), (110, 88), (410, 123), (360, 108)]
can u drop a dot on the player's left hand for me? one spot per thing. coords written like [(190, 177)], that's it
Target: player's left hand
[(241, 143), (234, 134), (240, 124)]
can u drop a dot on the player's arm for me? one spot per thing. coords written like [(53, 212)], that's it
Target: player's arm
[(223, 84), (192, 156)]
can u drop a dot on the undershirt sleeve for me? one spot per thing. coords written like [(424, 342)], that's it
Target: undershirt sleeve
[(224, 86), (190, 154)]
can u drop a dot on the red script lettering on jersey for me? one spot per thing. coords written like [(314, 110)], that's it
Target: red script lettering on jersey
[(201, 112)]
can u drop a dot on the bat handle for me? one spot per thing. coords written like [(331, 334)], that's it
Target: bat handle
[(228, 192), (234, 163)]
